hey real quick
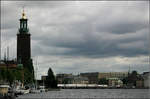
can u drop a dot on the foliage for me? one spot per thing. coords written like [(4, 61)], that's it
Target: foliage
[(131, 79), (134, 73), (125, 80), (103, 81), (28, 77), (51, 81), (28, 72), (29, 66), (3, 74), (66, 81), (10, 75)]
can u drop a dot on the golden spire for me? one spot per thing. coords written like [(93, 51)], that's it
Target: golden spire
[(23, 14)]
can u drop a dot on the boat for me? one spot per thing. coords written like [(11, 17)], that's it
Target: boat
[(22, 91), (42, 89), (33, 90), (18, 90)]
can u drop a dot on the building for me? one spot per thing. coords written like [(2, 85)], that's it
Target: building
[(8, 64), (24, 61), (146, 77), (24, 50), (92, 77), (119, 75), (71, 79), (80, 80), (23, 42), (62, 77), (43, 78), (139, 83), (115, 82)]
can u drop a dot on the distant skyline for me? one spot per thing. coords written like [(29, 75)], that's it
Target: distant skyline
[(81, 36)]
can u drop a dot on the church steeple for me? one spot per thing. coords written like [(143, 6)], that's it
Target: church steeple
[(23, 24)]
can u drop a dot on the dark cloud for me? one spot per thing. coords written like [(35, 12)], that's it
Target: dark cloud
[(122, 27), (95, 45)]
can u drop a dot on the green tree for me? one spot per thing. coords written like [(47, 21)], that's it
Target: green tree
[(51, 81), (3, 74), (17, 74), (125, 80), (29, 72), (65, 81), (28, 76), (103, 81), (30, 66), (9, 76), (134, 73), (133, 77)]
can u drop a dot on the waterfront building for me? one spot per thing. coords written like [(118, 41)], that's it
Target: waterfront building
[(140, 83), (115, 82), (146, 77), (108, 75), (44, 78), (61, 77), (24, 49), (11, 64), (92, 77), (23, 42), (80, 80), (71, 79)]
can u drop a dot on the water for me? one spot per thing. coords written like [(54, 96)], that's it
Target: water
[(90, 94)]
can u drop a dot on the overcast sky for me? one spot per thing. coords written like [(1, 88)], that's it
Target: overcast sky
[(81, 36)]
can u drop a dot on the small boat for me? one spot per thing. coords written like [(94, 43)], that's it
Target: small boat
[(42, 89), (18, 90), (22, 91), (34, 90)]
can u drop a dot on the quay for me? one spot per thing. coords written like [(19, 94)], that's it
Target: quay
[(95, 86)]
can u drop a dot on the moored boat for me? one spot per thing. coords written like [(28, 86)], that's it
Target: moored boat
[(34, 90), (22, 91)]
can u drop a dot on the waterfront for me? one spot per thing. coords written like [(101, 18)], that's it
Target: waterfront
[(90, 93), (79, 47)]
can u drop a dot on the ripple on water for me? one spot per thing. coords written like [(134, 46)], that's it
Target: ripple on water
[(90, 93)]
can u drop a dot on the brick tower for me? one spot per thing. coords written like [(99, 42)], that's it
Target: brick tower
[(23, 42)]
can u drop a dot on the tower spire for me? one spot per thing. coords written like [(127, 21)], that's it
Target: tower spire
[(23, 23), (23, 14)]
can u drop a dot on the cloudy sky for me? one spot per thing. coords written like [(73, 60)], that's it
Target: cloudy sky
[(81, 36)]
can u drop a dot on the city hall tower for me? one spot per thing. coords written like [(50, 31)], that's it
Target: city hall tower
[(23, 42)]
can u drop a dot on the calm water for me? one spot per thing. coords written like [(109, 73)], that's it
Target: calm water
[(90, 93)]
